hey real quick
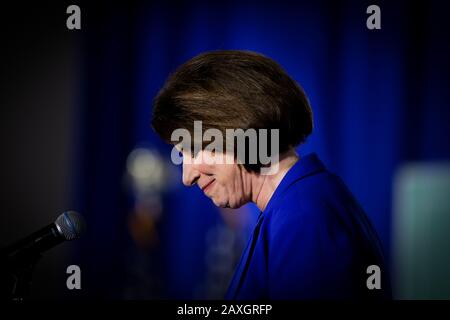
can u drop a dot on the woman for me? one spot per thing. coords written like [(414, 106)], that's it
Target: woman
[(312, 239)]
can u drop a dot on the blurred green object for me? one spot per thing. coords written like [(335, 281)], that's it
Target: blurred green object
[(421, 232)]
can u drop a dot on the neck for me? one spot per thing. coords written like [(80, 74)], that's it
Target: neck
[(265, 185)]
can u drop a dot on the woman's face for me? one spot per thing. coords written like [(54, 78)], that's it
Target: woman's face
[(220, 178)]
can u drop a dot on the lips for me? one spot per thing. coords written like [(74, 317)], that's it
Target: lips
[(208, 184)]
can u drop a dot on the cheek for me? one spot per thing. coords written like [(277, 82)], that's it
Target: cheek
[(227, 180), (229, 191)]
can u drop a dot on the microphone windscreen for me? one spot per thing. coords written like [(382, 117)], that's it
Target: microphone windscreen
[(71, 225)]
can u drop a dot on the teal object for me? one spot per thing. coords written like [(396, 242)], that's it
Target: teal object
[(421, 232)]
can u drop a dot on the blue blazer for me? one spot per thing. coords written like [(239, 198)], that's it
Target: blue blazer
[(313, 241)]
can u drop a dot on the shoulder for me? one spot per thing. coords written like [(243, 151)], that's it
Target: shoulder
[(309, 194), (317, 202)]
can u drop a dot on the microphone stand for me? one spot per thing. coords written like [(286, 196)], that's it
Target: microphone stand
[(16, 275)]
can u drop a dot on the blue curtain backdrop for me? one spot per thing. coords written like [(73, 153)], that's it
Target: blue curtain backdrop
[(380, 98)]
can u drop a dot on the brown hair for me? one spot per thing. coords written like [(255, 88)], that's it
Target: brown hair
[(233, 89)]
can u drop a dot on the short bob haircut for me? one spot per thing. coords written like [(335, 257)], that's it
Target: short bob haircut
[(232, 89)]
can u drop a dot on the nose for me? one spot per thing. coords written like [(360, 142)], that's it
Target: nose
[(190, 174)]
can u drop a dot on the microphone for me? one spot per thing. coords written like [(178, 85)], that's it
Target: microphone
[(18, 260), (68, 226)]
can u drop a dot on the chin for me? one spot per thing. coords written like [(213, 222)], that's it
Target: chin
[(221, 204), (228, 204)]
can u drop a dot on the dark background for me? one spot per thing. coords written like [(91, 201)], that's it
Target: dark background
[(75, 103)]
